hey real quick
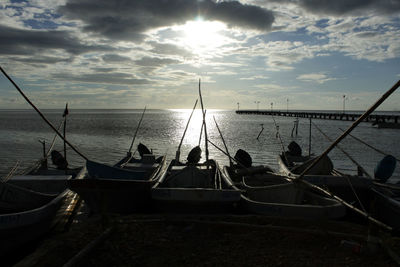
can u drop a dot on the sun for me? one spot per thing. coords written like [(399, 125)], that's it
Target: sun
[(202, 36)]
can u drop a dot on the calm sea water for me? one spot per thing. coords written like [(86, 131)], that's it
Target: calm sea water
[(105, 136)]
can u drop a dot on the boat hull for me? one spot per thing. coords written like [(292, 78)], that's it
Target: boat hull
[(195, 200), (114, 196), (290, 200), (105, 193), (342, 186), (386, 208), (195, 189), (19, 228)]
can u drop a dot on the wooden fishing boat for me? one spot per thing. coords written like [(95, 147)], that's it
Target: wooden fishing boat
[(31, 203), (257, 174), (352, 189), (387, 205), (267, 193), (195, 188), (290, 200), (122, 188)]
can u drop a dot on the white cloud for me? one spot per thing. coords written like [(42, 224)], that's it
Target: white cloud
[(315, 78)]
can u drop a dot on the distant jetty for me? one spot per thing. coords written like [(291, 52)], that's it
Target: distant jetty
[(374, 118)]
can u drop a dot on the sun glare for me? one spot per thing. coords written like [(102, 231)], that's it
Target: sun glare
[(203, 36)]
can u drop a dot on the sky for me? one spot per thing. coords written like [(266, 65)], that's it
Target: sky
[(288, 54)]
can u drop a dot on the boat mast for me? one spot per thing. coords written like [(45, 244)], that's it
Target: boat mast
[(41, 115), (134, 137), (340, 138), (178, 151), (223, 141), (204, 124)]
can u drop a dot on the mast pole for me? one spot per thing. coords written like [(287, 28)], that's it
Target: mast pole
[(137, 129), (41, 115)]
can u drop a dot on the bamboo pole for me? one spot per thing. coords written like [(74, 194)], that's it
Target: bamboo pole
[(65, 129), (309, 140), (10, 173), (354, 125), (201, 129), (358, 121), (368, 145), (205, 125), (41, 115), (344, 152), (137, 129), (220, 149), (353, 160), (53, 142), (178, 151), (223, 141)]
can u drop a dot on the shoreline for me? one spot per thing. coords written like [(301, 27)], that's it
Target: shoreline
[(210, 240)]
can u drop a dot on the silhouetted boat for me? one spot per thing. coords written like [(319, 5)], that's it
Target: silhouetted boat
[(30, 205), (121, 188), (195, 188), (290, 200)]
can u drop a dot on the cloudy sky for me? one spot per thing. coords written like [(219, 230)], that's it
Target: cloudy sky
[(296, 54)]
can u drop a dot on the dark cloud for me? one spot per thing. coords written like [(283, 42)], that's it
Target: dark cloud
[(128, 20), (169, 49), (27, 42), (155, 61), (41, 60), (105, 78), (114, 58), (341, 7), (104, 69)]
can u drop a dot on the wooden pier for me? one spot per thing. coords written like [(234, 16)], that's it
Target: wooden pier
[(373, 118)]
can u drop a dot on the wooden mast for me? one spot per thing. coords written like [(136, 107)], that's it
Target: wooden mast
[(41, 115), (204, 124), (178, 151), (134, 137)]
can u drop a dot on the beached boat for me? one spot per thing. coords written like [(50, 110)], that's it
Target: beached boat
[(254, 175), (122, 188), (31, 203), (350, 188), (387, 205), (290, 200), (267, 193), (195, 188)]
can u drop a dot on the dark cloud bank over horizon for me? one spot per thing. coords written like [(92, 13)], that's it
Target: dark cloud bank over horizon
[(346, 7), (128, 20)]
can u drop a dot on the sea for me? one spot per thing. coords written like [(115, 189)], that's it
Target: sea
[(105, 135)]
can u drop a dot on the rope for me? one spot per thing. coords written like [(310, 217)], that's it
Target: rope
[(345, 175), (368, 145)]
